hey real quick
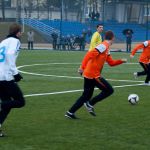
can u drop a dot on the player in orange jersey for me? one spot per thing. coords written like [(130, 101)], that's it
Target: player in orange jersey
[(144, 60), (91, 68)]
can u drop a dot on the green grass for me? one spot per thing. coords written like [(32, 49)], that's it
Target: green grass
[(41, 124)]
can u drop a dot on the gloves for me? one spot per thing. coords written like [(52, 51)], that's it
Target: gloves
[(17, 77)]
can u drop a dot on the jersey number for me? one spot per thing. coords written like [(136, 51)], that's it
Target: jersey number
[(2, 54)]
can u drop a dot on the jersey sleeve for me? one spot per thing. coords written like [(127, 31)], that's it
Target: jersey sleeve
[(113, 62), (96, 39), (139, 46), (12, 53), (101, 48)]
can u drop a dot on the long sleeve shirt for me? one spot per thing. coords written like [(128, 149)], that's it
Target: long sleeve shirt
[(95, 40), (9, 49), (145, 55), (94, 61)]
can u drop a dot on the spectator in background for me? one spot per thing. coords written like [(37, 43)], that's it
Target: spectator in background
[(54, 38), (93, 17), (96, 37), (128, 40), (89, 34), (30, 35), (83, 39), (97, 15)]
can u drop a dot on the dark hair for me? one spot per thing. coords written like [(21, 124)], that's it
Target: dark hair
[(109, 35), (14, 29), (100, 24)]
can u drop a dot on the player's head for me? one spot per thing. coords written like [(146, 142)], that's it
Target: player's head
[(109, 35), (15, 30), (99, 28)]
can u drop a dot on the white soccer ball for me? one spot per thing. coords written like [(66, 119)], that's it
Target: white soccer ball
[(133, 99)]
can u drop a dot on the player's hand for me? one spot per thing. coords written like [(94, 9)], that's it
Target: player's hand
[(124, 60), (80, 71), (131, 56), (17, 77)]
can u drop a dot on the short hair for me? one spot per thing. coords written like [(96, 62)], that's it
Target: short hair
[(14, 29), (109, 35), (100, 24)]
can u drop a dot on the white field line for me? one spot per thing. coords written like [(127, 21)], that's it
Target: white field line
[(73, 91), (71, 77)]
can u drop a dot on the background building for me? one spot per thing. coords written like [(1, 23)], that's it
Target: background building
[(62, 16)]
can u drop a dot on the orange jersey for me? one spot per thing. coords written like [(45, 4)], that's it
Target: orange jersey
[(145, 55), (94, 61)]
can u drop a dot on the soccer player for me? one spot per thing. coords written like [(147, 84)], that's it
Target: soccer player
[(10, 94), (96, 37), (144, 60), (91, 68)]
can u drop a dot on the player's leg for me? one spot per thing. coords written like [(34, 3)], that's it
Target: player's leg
[(130, 47), (127, 46), (3, 111), (31, 45), (106, 88), (141, 73), (86, 95), (13, 91), (3, 114), (148, 73), (28, 45)]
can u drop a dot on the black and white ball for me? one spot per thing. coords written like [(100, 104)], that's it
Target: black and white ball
[(133, 99)]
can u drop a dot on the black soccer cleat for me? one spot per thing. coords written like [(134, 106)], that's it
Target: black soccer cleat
[(70, 115), (90, 108)]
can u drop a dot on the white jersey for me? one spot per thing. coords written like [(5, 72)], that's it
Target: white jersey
[(9, 49)]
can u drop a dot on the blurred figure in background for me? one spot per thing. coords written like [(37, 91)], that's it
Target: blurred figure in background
[(30, 35), (128, 40), (54, 38)]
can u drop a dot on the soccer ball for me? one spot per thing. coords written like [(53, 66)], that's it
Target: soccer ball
[(133, 99)]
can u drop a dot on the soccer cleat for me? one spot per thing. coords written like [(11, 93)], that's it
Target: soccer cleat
[(70, 115), (135, 75), (148, 84), (89, 108)]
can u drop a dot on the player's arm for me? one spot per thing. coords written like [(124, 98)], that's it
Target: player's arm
[(11, 59), (113, 62), (139, 46)]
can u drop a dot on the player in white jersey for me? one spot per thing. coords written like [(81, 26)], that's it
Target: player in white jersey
[(11, 95)]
